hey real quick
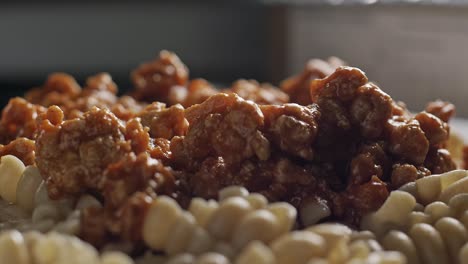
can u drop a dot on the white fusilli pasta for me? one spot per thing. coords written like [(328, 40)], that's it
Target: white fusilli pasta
[(429, 223)]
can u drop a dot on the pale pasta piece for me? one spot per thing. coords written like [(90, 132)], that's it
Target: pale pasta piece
[(450, 177), (256, 252), (27, 187), (463, 255), (320, 261), (387, 257), (46, 211), (257, 201), (458, 187), (464, 219), (417, 218), (212, 258), (313, 210), (410, 188), (13, 248), (260, 225), (338, 252), (332, 233), (459, 204), (180, 259), (428, 188), (454, 235), (200, 242), (69, 226), (223, 221), (429, 244), (437, 210), (183, 232), (161, 217), (232, 191), (225, 249), (11, 169), (285, 213), (359, 250), (202, 210), (44, 226), (393, 213), (41, 196), (115, 258), (86, 201), (399, 241), (298, 247), (362, 235), (418, 207)]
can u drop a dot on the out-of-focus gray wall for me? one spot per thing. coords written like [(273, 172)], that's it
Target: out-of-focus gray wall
[(416, 53), (216, 41)]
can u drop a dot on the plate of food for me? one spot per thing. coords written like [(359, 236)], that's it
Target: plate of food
[(325, 168)]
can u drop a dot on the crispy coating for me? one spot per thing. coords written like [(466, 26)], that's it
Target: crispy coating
[(297, 87), (164, 122), (19, 120), (443, 110), (224, 126), (59, 89), (135, 173), (22, 148), (196, 92), (330, 135), (73, 154), (292, 128), (370, 160), (153, 80), (434, 128), (407, 140), (404, 173), (439, 161), (371, 108), (263, 94)]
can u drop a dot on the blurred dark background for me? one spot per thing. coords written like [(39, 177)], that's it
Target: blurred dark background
[(416, 50)]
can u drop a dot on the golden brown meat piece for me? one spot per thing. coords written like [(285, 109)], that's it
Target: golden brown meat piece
[(224, 126), (438, 161), (153, 80), (292, 128), (100, 91), (72, 155), (435, 129), (197, 91), (19, 120), (404, 173), (135, 173), (263, 94), (22, 148), (59, 89), (298, 86), (128, 187), (441, 109), (370, 160), (407, 140), (164, 122), (364, 198)]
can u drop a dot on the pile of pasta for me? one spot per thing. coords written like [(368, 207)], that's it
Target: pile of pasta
[(240, 227), (26, 203), (53, 248), (426, 220)]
